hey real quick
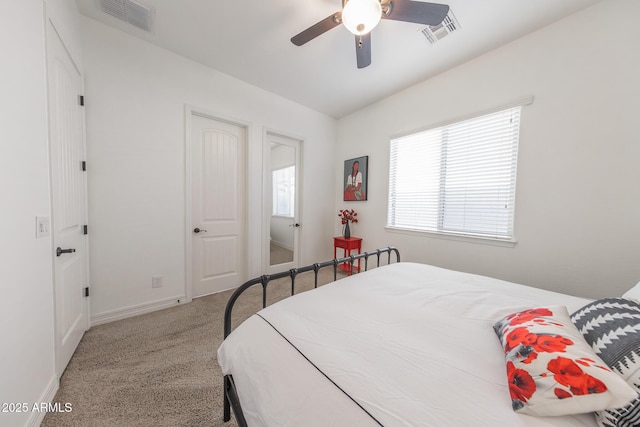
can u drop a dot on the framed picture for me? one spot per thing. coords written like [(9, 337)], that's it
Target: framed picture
[(356, 178)]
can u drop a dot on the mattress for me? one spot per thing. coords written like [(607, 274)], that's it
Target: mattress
[(401, 345)]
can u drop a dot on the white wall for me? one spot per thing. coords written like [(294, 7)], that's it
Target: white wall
[(136, 96), (27, 359), (577, 217)]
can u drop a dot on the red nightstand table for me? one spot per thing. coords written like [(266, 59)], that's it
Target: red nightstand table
[(347, 244)]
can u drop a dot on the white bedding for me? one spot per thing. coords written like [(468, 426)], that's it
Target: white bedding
[(408, 344)]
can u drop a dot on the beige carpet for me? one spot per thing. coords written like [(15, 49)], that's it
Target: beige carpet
[(157, 369), (279, 254)]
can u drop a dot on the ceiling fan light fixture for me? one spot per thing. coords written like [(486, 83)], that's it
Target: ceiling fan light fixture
[(361, 16)]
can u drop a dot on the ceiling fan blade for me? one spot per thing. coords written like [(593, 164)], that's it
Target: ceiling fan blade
[(363, 50), (417, 12), (315, 30)]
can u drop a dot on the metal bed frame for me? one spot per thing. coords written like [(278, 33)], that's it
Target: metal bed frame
[(231, 400)]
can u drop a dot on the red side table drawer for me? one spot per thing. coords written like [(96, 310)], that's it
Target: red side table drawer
[(347, 244)]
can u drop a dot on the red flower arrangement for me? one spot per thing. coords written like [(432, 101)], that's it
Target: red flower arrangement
[(348, 215)]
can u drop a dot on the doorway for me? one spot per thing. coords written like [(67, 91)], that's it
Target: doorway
[(282, 202), (218, 204), (68, 199)]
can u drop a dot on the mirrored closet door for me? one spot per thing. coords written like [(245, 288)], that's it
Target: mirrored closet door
[(282, 201)]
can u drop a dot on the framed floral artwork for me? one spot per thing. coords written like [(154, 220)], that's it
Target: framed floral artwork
[(356, 179)]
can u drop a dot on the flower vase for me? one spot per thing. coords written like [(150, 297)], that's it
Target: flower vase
[(347, 231)]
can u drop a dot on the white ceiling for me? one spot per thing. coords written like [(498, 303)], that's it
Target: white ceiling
[(249, 39)]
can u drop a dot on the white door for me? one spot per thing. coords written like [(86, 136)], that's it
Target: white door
[(68, 198), (282, 201), (218, 152)]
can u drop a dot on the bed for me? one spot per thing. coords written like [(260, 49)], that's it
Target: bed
[(401, 344)]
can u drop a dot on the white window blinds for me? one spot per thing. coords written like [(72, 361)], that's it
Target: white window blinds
[(459, 178)]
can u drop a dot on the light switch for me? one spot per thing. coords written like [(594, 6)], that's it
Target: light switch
[(156, 281), (42, 226)]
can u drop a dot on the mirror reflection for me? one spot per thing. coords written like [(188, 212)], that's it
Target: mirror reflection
[(283, 188)]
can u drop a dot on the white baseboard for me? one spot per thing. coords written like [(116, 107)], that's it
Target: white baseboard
[(136, 310), (36, 417)]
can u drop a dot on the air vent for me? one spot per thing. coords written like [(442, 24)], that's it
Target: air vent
[(132, 12), (434, 33)]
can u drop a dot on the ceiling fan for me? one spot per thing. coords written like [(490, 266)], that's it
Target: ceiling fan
[(361, 16)]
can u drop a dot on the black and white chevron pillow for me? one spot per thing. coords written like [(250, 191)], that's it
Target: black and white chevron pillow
[(612, 327)]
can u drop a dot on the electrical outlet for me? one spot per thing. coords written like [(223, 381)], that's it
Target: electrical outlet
[(156, 281)]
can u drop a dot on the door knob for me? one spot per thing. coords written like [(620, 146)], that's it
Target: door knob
[(60, 251), (198, 230)]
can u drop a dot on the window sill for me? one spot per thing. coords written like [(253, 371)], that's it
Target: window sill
[(456, 237)]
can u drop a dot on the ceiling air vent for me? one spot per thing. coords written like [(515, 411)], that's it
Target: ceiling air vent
[(132, 12), (433, 33)]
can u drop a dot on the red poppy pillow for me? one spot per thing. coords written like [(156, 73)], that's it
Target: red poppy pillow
[(551, 370)]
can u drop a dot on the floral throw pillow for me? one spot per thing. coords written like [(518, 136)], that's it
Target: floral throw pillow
[(551, 370)]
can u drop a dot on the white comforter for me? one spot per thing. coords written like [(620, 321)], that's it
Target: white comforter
[(401, 345)]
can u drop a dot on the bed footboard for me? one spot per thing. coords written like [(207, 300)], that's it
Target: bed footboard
[(231, 401), (230, 394)]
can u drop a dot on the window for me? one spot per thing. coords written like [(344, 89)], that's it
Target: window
[(284, 186), (457, 179)]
